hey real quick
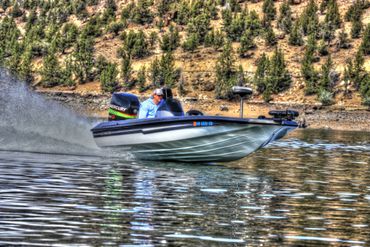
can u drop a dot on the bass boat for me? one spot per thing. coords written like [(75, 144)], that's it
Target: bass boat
[(191, 137)]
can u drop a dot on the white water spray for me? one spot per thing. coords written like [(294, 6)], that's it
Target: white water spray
[(28, 122)]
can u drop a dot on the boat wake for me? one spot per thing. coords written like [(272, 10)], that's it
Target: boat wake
[(28, 122)]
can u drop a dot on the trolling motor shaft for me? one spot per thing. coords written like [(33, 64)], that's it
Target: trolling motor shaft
[(242, 92)]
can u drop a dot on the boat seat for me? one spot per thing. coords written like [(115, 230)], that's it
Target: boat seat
[(194, 113), (170, 107), (286, 114)]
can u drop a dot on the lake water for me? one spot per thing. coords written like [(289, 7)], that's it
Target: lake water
[(311, 188), (58, 189)]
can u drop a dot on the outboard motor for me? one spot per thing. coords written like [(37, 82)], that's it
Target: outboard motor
[(170, 107), (123, 106)]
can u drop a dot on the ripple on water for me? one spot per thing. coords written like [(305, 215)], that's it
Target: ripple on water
[(206, 238), (311, 191)]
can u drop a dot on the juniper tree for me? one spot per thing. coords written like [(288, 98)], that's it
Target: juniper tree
[(100, 64), (2, 57), (215, 39), (355, 71), (163, 6), (227, 19), (309, 74), (182, 13), (126, 69), (279, 75), (68, 37), (356, 28), (355, 11), (5, 4), (285, 17), (236, 27), (67, 73), (153, 38), (50, 72), (155, 73), (170, 40), (80, 9), (191, 43), (31, 20), (108, 78), (365, 44), (323, 48), (116, 27), (225, 72), (208, 40), (219, 40), (323, 5), (83, 60), (325, 82), (141, 13), (295, 37), (246, 43), (211, 9), (127, 11), (199, 25), (253, 23), (332, 16), (15, 50), (327, 32), (25, 67), (141, 79), (16, 10), (270, 37), (241, 80), (140, 48), (309, 19), (269, 10), (167, 69), (93, 27), (234, 5), (134, 44), (261, 74), (343, 42)]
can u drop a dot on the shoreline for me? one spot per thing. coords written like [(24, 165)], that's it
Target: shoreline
[(314, 115)]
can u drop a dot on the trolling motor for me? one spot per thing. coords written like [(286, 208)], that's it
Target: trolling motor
[(242, 92)]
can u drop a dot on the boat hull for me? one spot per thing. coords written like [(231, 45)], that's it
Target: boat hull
[(193, 139)]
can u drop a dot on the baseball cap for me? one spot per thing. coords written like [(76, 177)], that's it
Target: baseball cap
[(158, 91)]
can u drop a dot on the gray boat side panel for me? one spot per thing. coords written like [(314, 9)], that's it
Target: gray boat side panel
[(147, 137), (224, 145)]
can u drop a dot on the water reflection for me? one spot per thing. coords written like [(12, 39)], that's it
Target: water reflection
[(310, 189)]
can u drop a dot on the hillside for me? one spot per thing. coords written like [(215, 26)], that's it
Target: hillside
[(88, 48)]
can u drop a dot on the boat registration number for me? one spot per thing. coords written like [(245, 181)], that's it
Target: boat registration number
[(202, 123)]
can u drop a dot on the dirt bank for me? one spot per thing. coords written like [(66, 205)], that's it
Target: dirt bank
[(316, 116)]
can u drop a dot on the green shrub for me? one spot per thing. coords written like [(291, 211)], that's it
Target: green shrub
[(295, 37), (325, 97), (269, 10), (170, 40), (191, 43), (285, 17), (365, 44)]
